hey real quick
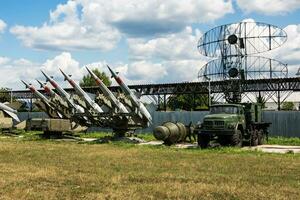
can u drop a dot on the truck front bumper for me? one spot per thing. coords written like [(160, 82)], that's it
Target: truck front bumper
[(217, 132)]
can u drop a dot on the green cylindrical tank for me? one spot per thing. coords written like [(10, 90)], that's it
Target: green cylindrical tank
[(182, 131), (170, 132)]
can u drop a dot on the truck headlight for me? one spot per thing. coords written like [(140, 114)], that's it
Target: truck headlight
[(231, 126)]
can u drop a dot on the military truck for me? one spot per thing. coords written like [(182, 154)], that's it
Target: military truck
[(233, 124)]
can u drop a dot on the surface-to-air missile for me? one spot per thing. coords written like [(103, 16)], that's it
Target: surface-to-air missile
[(114, 101), (60, 105), (47, 89), (37, 93), (91, 103), (45, 103), (66, 96), (139, 106), (11, 112)]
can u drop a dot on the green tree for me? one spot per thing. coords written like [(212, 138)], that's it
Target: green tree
[(287, 105), (188, 102), (4, 95), (88, 80)]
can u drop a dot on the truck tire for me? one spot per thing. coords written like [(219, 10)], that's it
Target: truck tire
[(203, 140), (254, 138), (47, 134), (261, 137), (237, 139), (223, 140)]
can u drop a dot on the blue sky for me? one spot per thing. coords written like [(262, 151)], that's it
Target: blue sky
[(147, 42)]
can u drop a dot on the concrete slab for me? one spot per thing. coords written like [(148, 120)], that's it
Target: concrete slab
[(276, 148), (263, 148), (187, 146), (89, 139), (152, 143), (180, 145), (132, 140)]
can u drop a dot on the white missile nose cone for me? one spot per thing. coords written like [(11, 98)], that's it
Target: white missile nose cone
[(90, 72), (43, 73), (111, 71), (62, 71), (40, 82), (26, 85), (47, 77)]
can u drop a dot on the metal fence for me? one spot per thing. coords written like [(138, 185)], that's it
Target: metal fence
[(284, 123)]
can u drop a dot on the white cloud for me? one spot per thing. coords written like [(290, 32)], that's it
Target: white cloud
[(146, 72), (138, 17), (169, 58), (289, 52), (176, 46), (99, 24), (2, 26), (143, 70), (4, 60), (23, 69), (68, 30), (269, 7), (15, 70), (183, 70), (65, 62), (138, 72)]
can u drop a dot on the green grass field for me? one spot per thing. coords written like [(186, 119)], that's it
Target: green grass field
[(150, 137), (48, 169)]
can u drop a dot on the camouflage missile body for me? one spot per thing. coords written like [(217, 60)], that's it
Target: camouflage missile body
[(11, 112), (91, 103), (138, 105), (64, 94), (44, 103), (116, 103)]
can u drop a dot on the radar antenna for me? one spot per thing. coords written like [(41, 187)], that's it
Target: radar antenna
[(234, 45)]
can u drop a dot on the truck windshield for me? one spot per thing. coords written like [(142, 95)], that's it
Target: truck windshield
[(224, 109)]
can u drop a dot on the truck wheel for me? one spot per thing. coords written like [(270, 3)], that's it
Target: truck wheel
[(254, 138), (236, 139), (47, 134), (261, 137), (203, 140), (223, 140)]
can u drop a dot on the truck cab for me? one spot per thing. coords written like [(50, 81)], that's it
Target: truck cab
[(232, 124), (223, 118)]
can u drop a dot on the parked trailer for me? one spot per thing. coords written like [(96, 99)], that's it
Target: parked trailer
[(49, 126)]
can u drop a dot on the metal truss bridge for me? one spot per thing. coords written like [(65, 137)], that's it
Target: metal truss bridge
[(276, 89)]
